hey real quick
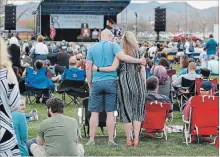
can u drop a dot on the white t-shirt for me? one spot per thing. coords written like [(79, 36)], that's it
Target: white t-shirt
[(213, 66), (40, 48), (24, 46), (95, 35), (152, 51), (187, 45), (198, 50)]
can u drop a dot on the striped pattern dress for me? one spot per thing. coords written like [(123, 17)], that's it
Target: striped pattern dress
[(131, 92), (9, 101)]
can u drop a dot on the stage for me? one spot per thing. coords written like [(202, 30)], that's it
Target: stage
[(70, 17)]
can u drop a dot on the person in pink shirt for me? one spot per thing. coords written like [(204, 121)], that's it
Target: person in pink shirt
[(205, 89)]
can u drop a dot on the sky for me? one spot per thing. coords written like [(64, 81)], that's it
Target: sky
[(200, 4)]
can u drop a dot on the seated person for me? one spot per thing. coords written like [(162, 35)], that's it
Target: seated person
[(21, 131), (37, 66), (184, 65), (204, 74), (152, 85), (165, 82), (20, 119), (50, 72), (25, 58), (190, 76), (149, 65), (16, 71), (163, 55), (205, 89), (72, 70), (61, 141), (33, 115), (165, 63), (213, 65)]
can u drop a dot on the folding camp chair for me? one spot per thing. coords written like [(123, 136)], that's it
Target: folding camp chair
[(37, 83), (73, 84), (186, 90), (199, 81), (156, 113), (204, 118), (73, 89), (171, 56), (84, 116), (196, 57), (171, 72)]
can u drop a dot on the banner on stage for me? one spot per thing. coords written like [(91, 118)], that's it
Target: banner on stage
[(62, 21)]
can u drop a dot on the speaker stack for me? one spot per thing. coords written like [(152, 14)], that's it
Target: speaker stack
[(10, 17)]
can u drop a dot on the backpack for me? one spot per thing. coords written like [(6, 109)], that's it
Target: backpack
[(191, 47)]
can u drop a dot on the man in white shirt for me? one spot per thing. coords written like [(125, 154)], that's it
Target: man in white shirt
[(95, 35), (213, 65), (203, 58), (186, 46), (152, 51)]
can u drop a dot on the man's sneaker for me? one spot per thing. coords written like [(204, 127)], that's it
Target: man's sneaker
[(90, 143), (112, 144), (34, 114)]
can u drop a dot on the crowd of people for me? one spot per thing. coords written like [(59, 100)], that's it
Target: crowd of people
[(120, 78)]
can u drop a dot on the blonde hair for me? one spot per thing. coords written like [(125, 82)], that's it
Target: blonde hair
[(4, 57), (40, 38), (6, 63), (129, 43)]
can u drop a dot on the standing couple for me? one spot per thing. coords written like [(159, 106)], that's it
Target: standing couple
[(106, 92)]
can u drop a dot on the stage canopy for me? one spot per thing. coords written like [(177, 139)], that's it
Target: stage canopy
[(90, 7)]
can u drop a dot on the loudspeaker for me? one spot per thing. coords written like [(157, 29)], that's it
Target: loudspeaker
[(10, 17), (160, 19)]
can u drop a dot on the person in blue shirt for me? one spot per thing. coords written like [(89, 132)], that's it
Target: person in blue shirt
[(21, 131), (211, 46), (103, 85)]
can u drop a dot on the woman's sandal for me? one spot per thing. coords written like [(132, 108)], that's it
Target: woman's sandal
[(129, 144), (136, 143)]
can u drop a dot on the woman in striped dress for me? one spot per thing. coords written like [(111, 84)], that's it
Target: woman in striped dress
[(131, 89), (9, 102)]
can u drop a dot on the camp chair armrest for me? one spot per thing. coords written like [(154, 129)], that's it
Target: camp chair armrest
[(115, 113), (80, 116), (185, 121)]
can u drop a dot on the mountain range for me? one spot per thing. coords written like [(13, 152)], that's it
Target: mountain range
[(144, 10), (176, 13)]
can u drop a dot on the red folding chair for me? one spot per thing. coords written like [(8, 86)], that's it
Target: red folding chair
[(171, 72), (199, 81), (204, 118), (156, 113)]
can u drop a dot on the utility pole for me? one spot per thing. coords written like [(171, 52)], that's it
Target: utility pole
[(186, 18), (203, 29), (136, 16)]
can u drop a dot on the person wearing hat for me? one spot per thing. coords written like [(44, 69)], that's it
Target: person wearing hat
[(205, 89), (50, 72)]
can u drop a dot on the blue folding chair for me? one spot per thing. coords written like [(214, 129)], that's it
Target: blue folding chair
[(73, 84), (37, 83)]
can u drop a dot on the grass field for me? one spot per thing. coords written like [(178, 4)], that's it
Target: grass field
[(174, 146)]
